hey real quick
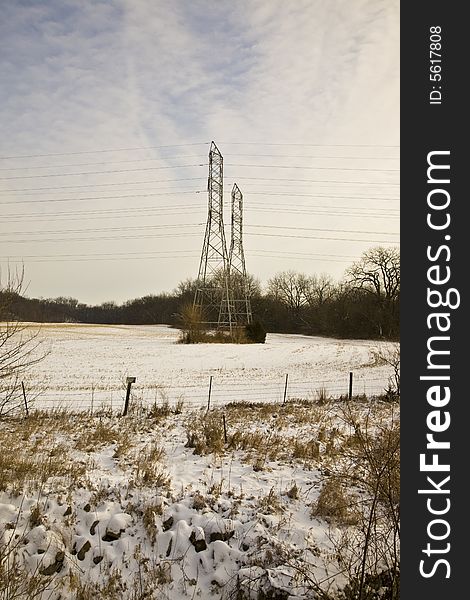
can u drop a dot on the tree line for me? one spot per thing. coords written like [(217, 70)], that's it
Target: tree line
[(365, 304)]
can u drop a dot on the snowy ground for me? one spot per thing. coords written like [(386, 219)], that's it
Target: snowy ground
[(158, 505), (165, 504), (88, 364)]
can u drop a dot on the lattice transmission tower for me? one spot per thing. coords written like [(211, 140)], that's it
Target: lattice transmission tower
[(238, 278), (213, 299)]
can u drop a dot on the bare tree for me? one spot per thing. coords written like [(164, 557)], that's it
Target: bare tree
[(318, 289), (19, 345), (289, 288), (378, 273)]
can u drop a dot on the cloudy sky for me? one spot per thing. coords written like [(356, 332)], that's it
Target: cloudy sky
[(108, 108)]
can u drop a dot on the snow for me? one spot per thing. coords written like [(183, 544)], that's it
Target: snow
[(217, 523), (87, 366)]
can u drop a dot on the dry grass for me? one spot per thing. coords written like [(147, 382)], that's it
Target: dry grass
[(348, 444), (238, 336), (334, 504), (39, 449), (299, 430), (148, 467), (53, 455), (270, 504), (206, 433), (148, 518), (34, 452)]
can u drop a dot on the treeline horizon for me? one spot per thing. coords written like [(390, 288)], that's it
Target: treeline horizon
[(364, 305)]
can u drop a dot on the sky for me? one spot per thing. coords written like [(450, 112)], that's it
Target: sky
[(108, 109)]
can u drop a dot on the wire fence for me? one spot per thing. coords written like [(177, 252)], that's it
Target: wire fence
[(212, 392)]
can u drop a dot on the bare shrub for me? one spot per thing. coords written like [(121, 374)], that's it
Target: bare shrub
[(333, 504), (374, 554), (192, 331), (206, 434), (20, 346), (149, 469), (390, 356)]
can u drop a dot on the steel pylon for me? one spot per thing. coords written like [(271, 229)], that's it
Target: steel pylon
[(213, 295), (238, 278)]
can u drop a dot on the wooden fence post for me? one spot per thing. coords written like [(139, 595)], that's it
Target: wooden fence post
[(350, 385), (209, 396), (25, 401), (130, 381), (285, 388)]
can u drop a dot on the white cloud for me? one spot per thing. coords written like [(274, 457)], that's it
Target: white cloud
[(132, 73)]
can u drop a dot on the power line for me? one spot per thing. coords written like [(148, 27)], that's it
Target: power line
[(100, 238), (106, 211), (104, 150), (321, 229), (298, 257), (314, 237), (135, 148), (102, 172), (313, 180), (319, 157), (178, 156), (98, 254), (327, 213), (309, 145), (160, 192), (188, 210), (280, 184), (178, 235), (104, 229), (142, 254), (94, 164), (313, 168), (165, 213), (235, 177), (276, 206), (171, 255), (149, 212), (288, 195), (101, 197), (152, 207), (182, 225), (272, 252), (67, 187)]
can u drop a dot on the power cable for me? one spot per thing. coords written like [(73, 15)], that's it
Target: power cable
[(178, 235), (233, 178), (321, 229), (103, 172), (203, 157), (101, 197), (309, 167), (104, 150)]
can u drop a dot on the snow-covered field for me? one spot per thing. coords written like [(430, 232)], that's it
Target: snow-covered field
[(166, 504), (158, 505), (89, 364)]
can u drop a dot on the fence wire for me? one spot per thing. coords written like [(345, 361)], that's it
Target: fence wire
[(222, 391)]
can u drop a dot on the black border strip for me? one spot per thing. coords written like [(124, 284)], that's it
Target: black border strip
[(426, 128)]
